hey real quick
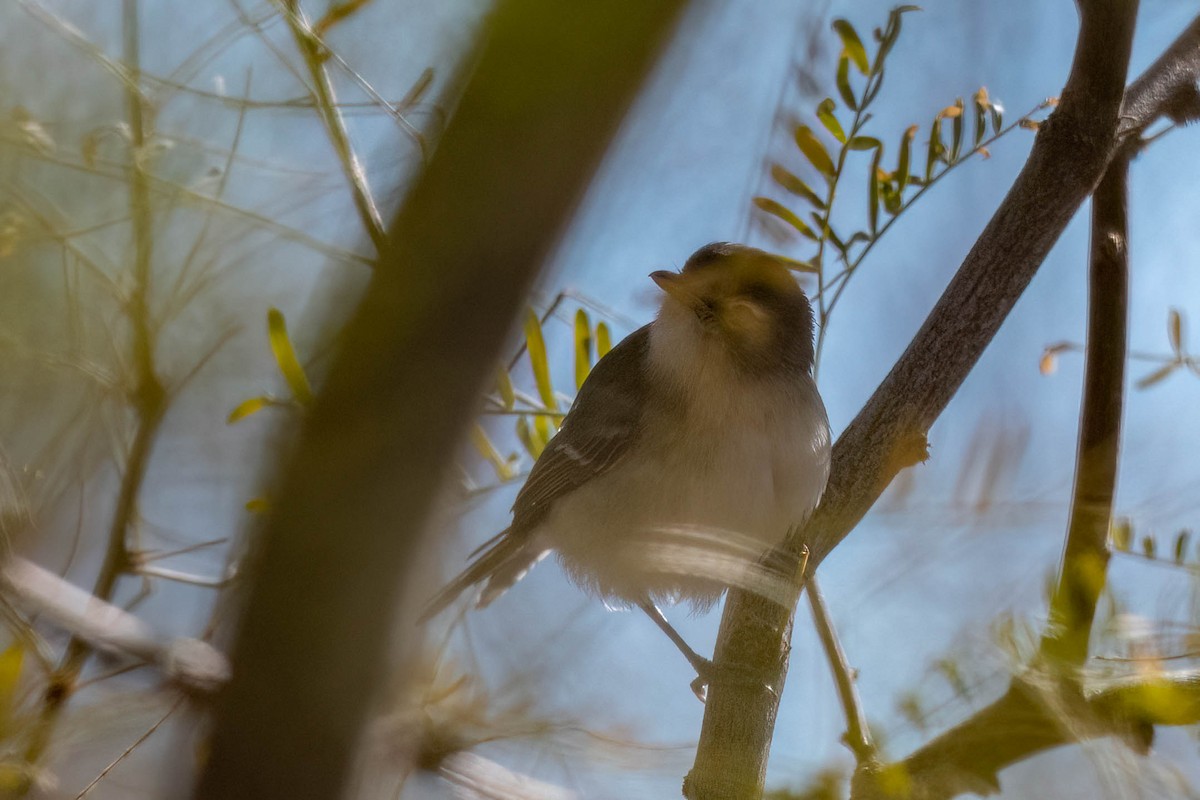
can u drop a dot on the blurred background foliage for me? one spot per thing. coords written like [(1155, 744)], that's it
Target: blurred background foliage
[(268, 158)]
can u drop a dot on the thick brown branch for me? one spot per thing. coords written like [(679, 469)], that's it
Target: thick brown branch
[(1068, 158), (544, 97), (1085, 557)]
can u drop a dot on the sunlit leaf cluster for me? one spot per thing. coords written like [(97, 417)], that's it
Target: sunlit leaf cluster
[(956, 133)]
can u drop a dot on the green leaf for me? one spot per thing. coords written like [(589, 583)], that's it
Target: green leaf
[(252, 406), (1122, 534), (782, 212), (796, 186), (981, 106), (864, 143), (583, 347), (892, 31), (258, 505), (533, 442), (483, 444), (798, 265), (504, 387), (873, 193), (825, 114), (843, 83), (1149, 547), (12, 663), (812, 148), (544, 426), (852, 46), (1175, 330), (285, 357), (891, 199), (956, 134), (603, 340), (535, 344), (1158, 375), (1181, 543), (905, 157), (935, 147), (997, 117)]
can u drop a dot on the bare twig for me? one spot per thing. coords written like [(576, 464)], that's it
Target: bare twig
[(858, 731), (128, 750), (325, 98)]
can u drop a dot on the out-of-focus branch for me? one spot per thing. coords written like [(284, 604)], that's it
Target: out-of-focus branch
[(1085, 556), (326, 103), (858, 732), (545, 94), (1030, 719), (1069, 156), (193, 664), (149, 398)]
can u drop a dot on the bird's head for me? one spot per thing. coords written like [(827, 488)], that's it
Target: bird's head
[(745, 298)]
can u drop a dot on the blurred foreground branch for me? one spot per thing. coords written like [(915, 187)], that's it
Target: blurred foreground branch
[(544, 97)]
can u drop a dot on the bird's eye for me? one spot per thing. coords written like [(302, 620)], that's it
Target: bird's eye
[(758, 293)]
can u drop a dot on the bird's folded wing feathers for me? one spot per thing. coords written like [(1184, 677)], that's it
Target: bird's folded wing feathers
[(602, 425)]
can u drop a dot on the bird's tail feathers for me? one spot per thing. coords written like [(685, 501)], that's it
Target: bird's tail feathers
[(501, 561)]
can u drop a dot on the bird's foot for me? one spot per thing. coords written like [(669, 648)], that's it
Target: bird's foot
[(709, 672)]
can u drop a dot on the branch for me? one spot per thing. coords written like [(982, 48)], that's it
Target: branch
[(149, 398), (325, 100), (193, 664), (1069, 156), (1085, 557), (545, 94), (858, 732), (1030, 719)]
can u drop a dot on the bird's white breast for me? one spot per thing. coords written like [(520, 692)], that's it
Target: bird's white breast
[(711, 483)]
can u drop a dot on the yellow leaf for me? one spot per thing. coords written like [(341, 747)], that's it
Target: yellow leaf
[(535, 344), (285, 357), (814, 151), (258, 505), (1048, 364), (250, 406), (603, 340), (583, 347), (483, 444)]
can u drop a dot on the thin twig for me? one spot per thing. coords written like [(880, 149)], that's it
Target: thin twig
[(326, 101), (858, 732), (128, 750)]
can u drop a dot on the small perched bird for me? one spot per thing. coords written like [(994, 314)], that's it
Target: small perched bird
[(691, 449)]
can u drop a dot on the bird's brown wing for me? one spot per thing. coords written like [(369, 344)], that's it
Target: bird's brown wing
[(597, 431), (595, 434)]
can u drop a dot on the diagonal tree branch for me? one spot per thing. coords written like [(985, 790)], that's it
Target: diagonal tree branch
[(1069, 156)]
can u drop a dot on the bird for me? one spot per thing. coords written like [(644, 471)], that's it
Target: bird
[(690, 451)]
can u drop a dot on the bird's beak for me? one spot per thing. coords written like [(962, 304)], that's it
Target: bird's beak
[(675, 285)]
